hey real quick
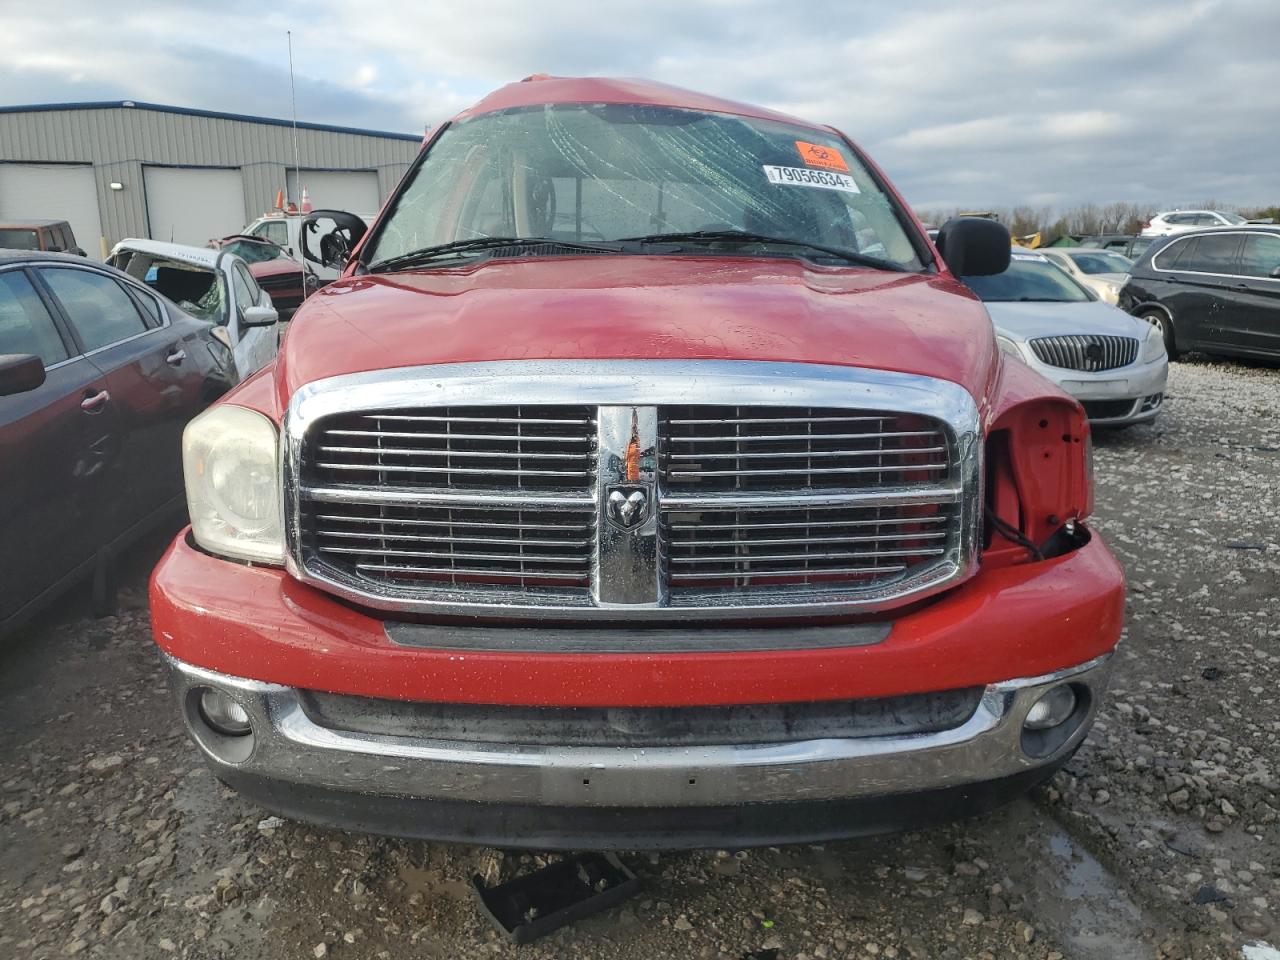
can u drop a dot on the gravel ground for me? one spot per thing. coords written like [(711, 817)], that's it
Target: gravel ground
[(1160, 839)]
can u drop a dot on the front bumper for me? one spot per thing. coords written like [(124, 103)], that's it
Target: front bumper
[(1119, 397), (616, 797)]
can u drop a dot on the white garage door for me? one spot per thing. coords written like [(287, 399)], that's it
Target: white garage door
[(53, 191), (355, 191), (193, 204)]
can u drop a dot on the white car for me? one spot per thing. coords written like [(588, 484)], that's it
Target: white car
[(1102, 271), (1114, 364), (1176, 221), (211, 285), (282, 229)]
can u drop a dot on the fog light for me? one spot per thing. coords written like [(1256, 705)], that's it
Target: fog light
[(1051, 709), (223, 714)]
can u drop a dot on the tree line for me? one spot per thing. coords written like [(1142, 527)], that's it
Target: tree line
[(1091, 218)]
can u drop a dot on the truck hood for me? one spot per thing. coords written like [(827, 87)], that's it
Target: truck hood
[(642, 307), (1023, 321)]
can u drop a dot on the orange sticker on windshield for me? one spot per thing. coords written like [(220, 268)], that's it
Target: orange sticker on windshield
[(816, 155)]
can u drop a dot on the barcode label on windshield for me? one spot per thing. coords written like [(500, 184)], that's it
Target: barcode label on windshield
[(801, 177)]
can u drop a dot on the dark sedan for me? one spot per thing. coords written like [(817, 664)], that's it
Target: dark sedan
[(1216, 290), (98, 377)]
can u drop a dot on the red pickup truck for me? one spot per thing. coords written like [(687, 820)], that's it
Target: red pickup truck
[(648, 479)]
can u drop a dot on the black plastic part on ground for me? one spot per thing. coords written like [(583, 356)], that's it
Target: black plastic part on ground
[(630, 828), (534, 904)]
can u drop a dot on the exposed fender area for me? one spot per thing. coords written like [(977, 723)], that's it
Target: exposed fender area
[(1039, 464)]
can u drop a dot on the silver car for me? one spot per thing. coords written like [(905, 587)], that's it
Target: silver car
[(1102, 271), (1114, 364)]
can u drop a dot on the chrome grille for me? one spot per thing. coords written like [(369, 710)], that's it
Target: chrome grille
[(411, 491), (1088, 352), (520, 448), (823, 548), (796, 448), (428, 546)]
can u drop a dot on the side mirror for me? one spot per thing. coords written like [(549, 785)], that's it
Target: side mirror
[(19, 373), (335, 246), (975, 246), (258, 317)]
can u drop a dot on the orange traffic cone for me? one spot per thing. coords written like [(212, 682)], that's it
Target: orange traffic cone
[(279, 199), (306, 201)]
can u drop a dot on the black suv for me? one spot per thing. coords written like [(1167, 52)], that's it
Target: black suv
[(1216, 290)]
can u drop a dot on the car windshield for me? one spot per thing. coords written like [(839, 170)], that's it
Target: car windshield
[(18, 239), (254, 251), (609, 172), (1101, 262), (1232, 218), (1030, 277)]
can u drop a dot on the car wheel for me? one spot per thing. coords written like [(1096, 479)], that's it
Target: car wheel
[(1160, 320)]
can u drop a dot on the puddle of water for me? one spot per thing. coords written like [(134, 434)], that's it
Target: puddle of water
[(1069, 891)]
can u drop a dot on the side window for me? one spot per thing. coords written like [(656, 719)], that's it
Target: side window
[(97, 306), (151, 307), (274, 230), (1216, 254), (1170, 258), (245, 294), (1261, 255), (25, 324), (53, 240)]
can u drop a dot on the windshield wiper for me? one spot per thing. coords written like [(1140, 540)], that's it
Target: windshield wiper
[(460, 248), (745, 236)]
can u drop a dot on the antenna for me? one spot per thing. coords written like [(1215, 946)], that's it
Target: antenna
[(297, 176), (293, 98)]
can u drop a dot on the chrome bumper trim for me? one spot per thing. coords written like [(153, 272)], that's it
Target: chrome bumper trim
[(290, 747)]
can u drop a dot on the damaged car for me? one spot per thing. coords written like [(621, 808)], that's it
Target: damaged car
[(211, 285)]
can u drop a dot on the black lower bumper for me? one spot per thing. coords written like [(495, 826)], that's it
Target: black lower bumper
[(630, 828)]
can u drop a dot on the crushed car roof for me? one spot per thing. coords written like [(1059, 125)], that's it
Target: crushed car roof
[(541, 90), (181, 252)]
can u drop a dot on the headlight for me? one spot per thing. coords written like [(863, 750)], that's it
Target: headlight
[(1153, 345), (1008, 346), (231, 459)]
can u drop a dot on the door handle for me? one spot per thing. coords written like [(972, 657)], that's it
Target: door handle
[(93, 403), (176, 357)]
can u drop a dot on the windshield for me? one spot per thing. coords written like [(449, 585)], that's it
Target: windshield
[(608, 172), (1030, 277), (1232, 218), (254, 251), (18, 240), (1101, 262)]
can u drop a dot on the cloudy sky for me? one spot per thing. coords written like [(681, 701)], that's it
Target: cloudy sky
[(965, 105)]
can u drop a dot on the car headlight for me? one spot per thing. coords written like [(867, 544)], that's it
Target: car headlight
[(231, 460), (1008, 346), (1153, 345)]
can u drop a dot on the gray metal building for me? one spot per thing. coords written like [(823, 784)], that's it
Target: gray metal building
[(130, 169)]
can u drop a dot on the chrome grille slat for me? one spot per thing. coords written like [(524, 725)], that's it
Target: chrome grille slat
[(909, 468), (786, 541), (1085, 352), (481, 471), (454, 555), (780, 454), (785, 574), (419, 538), (470, 454)]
